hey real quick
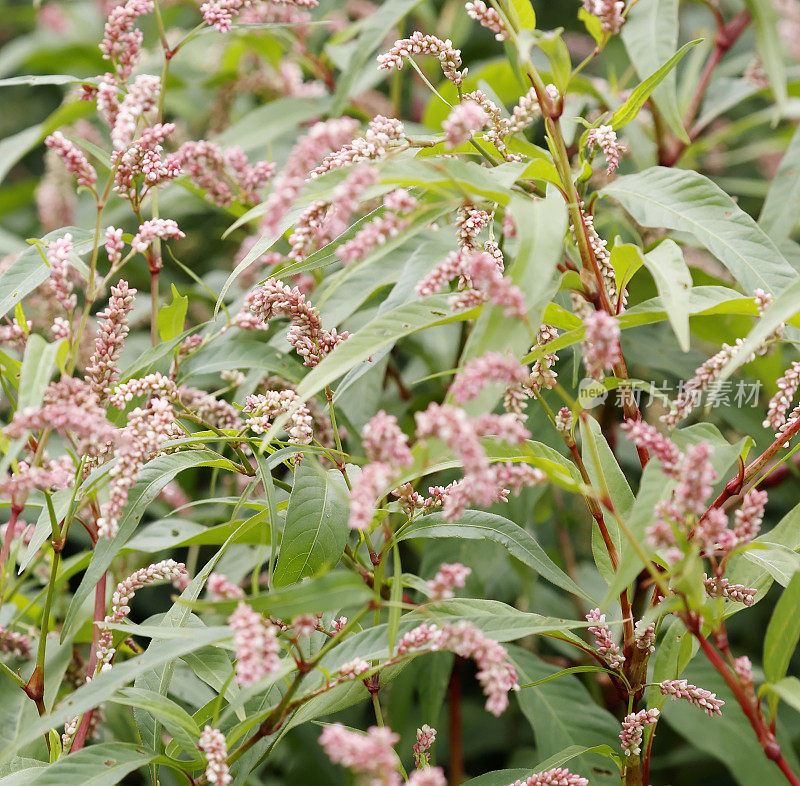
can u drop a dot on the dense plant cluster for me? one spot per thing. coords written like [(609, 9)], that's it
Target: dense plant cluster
[(440, 365)]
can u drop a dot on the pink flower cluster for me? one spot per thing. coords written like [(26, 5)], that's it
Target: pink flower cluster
[(17, 643), (58, 258), (155, 384), (780, 403), (142, 97), (102, 370), (493, 367), (663, 448), (51, 475), (447, 578), (704, 376), (264, 407), (704, 699), (256, 645), (122, 41), (323, 137), (219, 14), (155, 229), (610, 13), (487, 17), (146, 431), (603, 642), (142, 161), (382, 134), (481, 270), (378, 231), (216, 171), (633, 730), (420, 44), (483, 483), (470, 222), (464, 120), (74, 159), (321, 222), (606, 139), (306, 334), (720, 587), (386, 446), (559, 776), (370, 755), (166, 570), (426, 736), (601, 348), (496, 674), (212, 744), (220, 587)]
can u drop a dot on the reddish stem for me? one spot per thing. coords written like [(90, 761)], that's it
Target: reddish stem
[(751, 710), (99, 616), (456, 741), (6, 550), (726, 37)]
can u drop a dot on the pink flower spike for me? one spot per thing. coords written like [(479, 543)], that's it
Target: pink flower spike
[(73, 158), (212, 744), (155, 228), (487, 17), (448, 577), (384, 441), (633, 730), (371, 754), (704, 699), (601, 348), (58, 257), (606, 139), (255, 642), (493, 367), (604, 644), (420, 44), (559, 776), (464, 120)]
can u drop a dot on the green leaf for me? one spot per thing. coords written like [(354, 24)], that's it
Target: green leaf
[(779, 213), (174, 718), (98, 765), (29, 269), (45, 79), (479, 525), (563, 673), (330, 592), (396, 610), (630, 109), (689, 202), (14, 147), (172, 316), (744, 760), (673, 281), (316, 524), (523, 14), (374, 31), (103, 686), (783, 632), (562, 713), (38, 364), (650, 35), (770, 47), (552, 44), (786, 306), (151, 479), (384, 330), (788, 689), (626, 259), (779, 561), (621, 494)]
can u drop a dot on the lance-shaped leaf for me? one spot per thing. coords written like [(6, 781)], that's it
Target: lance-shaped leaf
[(689, 202)]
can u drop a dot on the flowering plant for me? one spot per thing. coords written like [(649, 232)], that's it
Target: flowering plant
[(428, 384)]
